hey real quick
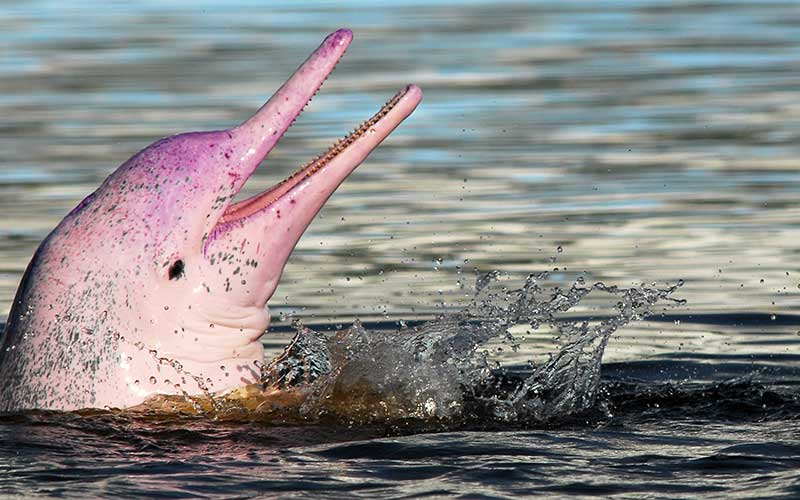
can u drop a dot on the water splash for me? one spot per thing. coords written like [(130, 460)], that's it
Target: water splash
[(438, 371)]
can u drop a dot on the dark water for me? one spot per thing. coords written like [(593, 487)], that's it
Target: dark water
[(650, 141)]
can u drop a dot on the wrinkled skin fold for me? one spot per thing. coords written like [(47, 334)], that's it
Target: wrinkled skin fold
[(157, 282)]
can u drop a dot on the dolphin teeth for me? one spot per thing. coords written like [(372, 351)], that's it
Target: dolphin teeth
[(341, 144), (321, 160)]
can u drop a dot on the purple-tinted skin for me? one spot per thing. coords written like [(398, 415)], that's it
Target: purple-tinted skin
[(157, 282)]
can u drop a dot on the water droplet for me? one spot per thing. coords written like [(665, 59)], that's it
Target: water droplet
[(430, 406), (152, 380)]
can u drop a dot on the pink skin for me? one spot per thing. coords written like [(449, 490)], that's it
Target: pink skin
[(156, 283)]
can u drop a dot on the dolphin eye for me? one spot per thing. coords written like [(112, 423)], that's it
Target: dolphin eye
[(176, 270)]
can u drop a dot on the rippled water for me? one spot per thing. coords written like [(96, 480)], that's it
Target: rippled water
[(650, 141)]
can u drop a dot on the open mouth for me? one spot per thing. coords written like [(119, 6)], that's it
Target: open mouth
[(329, 169), (266, 198), (251, 241)]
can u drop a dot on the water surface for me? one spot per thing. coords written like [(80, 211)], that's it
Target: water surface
[(631, 143)]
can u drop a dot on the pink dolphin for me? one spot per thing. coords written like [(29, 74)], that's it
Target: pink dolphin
[(157, 282)]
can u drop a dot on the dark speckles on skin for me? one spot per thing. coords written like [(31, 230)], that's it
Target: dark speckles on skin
[(83, 203), (84, 355), (147, 196)]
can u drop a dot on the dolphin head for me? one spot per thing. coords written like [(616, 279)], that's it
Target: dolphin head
[(158, 281)]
